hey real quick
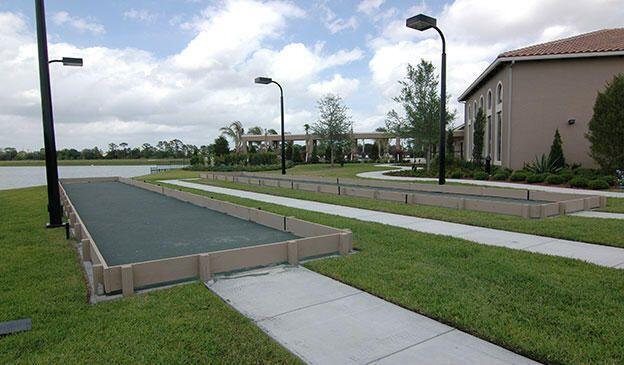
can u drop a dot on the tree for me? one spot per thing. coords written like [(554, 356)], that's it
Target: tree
[(334, 124), (374, 155), (478, 136), (221, 146), (606, 128), (235, 132), (555, 156), (421, 104), (450, 148)]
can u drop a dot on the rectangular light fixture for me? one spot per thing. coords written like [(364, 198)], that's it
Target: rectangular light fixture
[(421, 22), (71, 61)]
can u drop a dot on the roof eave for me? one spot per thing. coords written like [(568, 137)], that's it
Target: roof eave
[(501, 60)]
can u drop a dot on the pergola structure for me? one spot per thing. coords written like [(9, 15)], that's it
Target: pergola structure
[(312, 139)]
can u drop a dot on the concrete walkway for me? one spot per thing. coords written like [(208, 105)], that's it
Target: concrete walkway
[(597, 254), (380, 176), (593, 214), (326, 322)]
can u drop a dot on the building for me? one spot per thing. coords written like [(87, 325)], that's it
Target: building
[(528, 93)]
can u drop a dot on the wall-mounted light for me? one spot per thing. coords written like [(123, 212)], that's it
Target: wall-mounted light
[(571, 121)]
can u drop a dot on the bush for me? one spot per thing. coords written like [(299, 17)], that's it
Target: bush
[(500, 176), (598, 184), (566, 175), (536, 178), (481, 175), (518, 176), (579, 182), (610, 179), (457, 174), (555, 180)]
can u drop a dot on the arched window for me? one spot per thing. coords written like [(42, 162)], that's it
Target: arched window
[(469, 113), (489, 99), (475, 109), (481, 102), (499, 93)]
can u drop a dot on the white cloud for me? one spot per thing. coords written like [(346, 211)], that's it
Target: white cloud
[(334, 23), (82, 24), (337, 85), (142, 15), (369, 6)]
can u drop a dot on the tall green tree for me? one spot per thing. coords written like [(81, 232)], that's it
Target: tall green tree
[(478, 135), (221, 146), (606, 128), (334, 124), (420, 100), (555, 156)]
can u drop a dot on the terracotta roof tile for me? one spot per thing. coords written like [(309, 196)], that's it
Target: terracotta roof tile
[(605, 40)]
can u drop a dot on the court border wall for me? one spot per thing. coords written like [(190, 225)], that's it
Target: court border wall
[(316, 240), (553, 203)]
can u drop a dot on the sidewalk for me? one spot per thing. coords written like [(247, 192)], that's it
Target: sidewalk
[(596, 254), (326, 322), (380, 176)]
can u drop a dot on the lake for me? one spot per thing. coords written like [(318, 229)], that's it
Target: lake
[(21, 177)]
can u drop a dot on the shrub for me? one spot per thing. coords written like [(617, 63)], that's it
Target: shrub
[(555, 180), (566, 175), (556, 151), (542, 165), (500, 176), (481, 175), (518, 176), (579, 182), (598, 184), (536, 178), (610, 179), (457, 174)]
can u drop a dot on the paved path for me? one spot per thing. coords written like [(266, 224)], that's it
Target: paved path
[(380, 176), (593, 214), (597, 254), (326, 322)]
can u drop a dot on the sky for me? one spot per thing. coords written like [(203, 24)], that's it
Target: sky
[(164, 69)]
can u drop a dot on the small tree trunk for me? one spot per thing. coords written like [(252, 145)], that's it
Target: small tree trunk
[(331, 154), (428, 157)]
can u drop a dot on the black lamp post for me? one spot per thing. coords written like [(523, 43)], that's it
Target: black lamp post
[(423, 22), (54, 199), (266, 81)]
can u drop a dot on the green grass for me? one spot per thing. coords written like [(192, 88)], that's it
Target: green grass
[(124, 162), (614, 205), (40, 278), (593, 230), (551, 309), (349, 170)]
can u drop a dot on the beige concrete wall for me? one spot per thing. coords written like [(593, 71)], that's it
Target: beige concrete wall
[(546, 95)]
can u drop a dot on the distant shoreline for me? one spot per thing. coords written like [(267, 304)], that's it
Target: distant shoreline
[(102, 162)]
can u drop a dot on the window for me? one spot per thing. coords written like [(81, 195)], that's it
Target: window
[(475, 109), (499, 93), (488, 151), (499, 135), (481, 102), (469, 113), (489, 99)]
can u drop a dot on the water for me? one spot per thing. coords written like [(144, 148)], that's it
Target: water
[(21, 177)]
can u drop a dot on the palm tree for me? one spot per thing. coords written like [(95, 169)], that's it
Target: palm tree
[(255, 131), (382, 143), (235, 132)]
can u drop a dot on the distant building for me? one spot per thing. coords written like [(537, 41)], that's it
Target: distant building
[(528, 93)]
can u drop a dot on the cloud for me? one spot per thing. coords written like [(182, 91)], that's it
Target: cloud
[(142, 15), (333, 23), (369, 6), (82, 24), (337, 85)]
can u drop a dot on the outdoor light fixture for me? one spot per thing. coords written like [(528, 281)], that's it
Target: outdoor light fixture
[(69, 61), (266, 81), (571, 121), (423, 22), (54, 199)]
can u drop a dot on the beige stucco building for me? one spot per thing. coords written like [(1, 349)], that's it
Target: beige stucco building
[(527, 94)]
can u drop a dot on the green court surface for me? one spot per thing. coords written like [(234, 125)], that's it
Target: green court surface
[(130, 224)]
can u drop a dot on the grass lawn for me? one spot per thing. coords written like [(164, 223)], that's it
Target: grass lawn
[(614, 205), (593, 230), (349, 170), (124, 162), (40, 278), (551, 309)]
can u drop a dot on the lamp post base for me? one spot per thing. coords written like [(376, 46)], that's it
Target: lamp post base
[(56, 225)]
